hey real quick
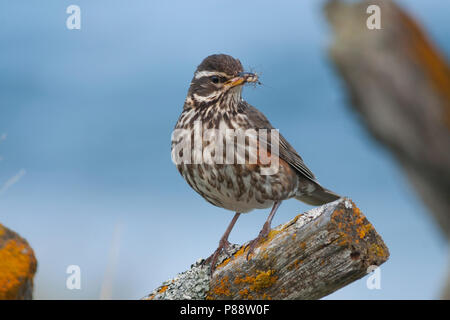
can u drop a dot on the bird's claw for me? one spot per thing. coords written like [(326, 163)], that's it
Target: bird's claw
[(225, 246), (261, 236)]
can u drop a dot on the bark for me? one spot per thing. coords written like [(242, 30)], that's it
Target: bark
[(309, 257)]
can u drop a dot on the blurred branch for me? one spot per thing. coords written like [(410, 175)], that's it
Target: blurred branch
[(400, 85), (17, 266), (309, 257)]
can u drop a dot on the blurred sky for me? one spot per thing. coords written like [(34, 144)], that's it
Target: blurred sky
[(88, 115)]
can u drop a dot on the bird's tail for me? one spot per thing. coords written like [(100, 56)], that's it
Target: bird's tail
[(319, 196)]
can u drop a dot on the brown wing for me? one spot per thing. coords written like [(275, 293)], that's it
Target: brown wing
[(286, 151)]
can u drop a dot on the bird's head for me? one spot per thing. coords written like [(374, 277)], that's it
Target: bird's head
[(218, 77)]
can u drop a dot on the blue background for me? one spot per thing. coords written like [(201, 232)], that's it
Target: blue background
[(88, 114)]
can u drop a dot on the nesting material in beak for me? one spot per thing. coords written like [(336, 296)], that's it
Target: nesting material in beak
[(242, 78)]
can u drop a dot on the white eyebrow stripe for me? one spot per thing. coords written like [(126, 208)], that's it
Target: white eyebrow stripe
[(212, 96), (201, 74)]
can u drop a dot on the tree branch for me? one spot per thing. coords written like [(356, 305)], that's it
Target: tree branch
[(309, 257)]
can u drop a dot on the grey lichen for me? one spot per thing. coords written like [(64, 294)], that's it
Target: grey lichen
[(192, 284)]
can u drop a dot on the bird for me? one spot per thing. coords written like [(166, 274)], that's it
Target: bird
[(214, 104)]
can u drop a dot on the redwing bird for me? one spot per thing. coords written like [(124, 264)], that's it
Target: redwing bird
[(214, 102)]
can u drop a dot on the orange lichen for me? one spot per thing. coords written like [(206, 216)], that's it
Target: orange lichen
[(290, 223), (296, 263), (378, 250), (224, 263), (351, 227), (17, 267), (272, 234), (265, 296), (163, 289), (254, 286), (245, 294), (431, 61), (235, 255), (363, 230), (258, 282), (221, 288)]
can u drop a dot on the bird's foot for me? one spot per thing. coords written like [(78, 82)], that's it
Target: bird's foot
[(261, 236), (224, 246)]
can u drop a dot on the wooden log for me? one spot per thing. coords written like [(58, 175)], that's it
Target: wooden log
[(309, 257), (17, 266)]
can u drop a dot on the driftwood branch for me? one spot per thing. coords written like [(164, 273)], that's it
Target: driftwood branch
[(400, 85), (309, 257)]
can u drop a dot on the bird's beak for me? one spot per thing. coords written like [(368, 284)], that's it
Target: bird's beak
[(242, 78)]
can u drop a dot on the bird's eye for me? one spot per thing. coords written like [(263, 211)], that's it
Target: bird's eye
[(215, 79)]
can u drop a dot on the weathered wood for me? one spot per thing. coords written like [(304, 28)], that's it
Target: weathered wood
[(400, 85), (17, 266), (309, 257)]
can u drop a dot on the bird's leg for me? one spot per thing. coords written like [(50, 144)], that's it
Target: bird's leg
[(264, 231), (224, 244)]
